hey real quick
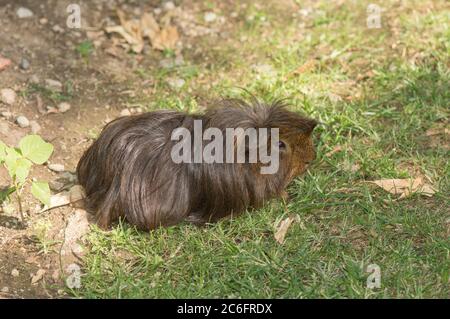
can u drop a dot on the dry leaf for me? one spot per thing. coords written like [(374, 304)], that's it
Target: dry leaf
[(282, 229), (437, 131), (335, 150), (405, 187), (149, 26), (306, 67), (39, 275), (134, 31), (166, 39)]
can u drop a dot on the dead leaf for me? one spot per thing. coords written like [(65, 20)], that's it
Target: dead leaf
[(39, 275), (166, 39), (306, 67), (282, 229), (405, 187), (437, 131), (335, 150), (135, 30)]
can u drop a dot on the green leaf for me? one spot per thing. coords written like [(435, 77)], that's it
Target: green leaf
[(41, 191), (35, 148), (23, 166), (11, 161)]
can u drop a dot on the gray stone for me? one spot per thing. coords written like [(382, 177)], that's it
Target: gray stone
[(209, 17), (53, 85), (63, 107), (24, 64), (23, 13), (22, 121), (56, 167), (8, 96)]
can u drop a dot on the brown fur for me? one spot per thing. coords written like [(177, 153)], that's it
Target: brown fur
[(128, 172)]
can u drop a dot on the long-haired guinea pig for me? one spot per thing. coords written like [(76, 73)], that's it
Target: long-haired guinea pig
[(130, 171)]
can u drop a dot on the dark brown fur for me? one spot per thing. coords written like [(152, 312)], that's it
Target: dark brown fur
[(128, 170)]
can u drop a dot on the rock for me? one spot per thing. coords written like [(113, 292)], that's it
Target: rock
[(209, 17), (5, 290), (53, 85), (56, 167), (125, 112), (8, 96), (15, 273), (35, 127), (56, 28), (56, 186), (77, 227), (23, 13), (176, 83), (170, 63), (63, 107), (43, 21), (24, 64), (34, 79), (168, 6), (22, 121)]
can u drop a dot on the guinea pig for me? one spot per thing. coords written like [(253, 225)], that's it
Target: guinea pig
[(133, 170)]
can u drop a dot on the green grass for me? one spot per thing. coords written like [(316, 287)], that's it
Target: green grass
[(344, 224)]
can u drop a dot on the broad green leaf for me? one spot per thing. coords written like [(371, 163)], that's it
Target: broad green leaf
[(41, 191), (11, 160), (35, 148), (23, 166)]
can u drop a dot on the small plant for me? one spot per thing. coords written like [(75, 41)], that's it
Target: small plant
[(85, 49), (18, 162)]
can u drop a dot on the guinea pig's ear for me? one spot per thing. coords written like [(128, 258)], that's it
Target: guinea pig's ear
[(307, 125)]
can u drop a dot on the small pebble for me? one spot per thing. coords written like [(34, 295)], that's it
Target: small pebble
[(5, 290), (176, 83), (63, 107), (22, 121), (210, 17), (24, 64), (15, 273), (35, 127), (125, 112), (53, 85), (167, 6), (8, 96), (34, 79), (56, 167), (43, 21), (56, 28), (23, 13)]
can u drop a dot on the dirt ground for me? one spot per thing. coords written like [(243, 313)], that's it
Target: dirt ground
[(97, 90)]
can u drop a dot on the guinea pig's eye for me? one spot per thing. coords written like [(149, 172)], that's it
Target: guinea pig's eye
[(281, 145)]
